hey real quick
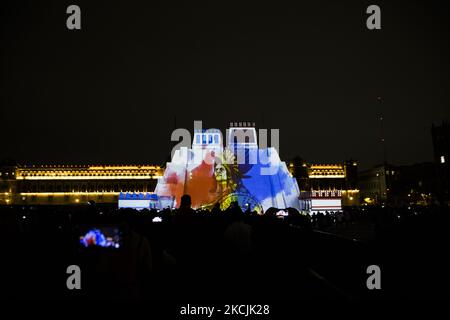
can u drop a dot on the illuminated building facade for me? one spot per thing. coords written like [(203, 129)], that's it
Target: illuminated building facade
[(326, 187), (139, 200), (375, 184), (441, 147), (74, 184), (399, 186)]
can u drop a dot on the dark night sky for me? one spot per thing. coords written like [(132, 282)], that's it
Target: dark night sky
[(110, 92)]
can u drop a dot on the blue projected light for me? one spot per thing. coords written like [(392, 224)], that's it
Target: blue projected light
[(101, 237)]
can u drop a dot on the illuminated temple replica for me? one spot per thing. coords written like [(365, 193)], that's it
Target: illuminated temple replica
[(214, 174)]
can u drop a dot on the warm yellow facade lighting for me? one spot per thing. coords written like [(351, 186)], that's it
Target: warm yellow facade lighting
[(96, 193), (326, 176)]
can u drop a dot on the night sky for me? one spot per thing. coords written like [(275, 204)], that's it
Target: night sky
[(110, 92)]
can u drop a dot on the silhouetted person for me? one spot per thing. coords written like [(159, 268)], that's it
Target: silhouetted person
[(216, 209), (185, 204)]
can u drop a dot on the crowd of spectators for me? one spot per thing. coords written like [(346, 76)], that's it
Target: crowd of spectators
[(182, 252)]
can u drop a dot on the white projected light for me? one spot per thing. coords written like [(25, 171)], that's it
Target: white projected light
[(326, 204)]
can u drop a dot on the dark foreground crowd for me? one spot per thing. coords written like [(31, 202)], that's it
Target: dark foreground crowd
[(174, 254)]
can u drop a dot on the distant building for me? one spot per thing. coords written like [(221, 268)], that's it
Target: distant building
[(374, 184), (74, 184), (399, 186), (139, 200), (424, 183), (219, 173), (441, 148), (326, 186), (7, 184)]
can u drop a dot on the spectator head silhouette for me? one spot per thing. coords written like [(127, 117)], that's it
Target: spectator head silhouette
[(185, 202)]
